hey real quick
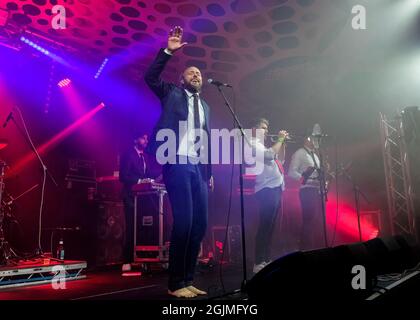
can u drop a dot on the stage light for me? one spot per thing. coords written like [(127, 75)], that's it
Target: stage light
[(55, 140), (34, 45), (101, 68), (4, 16), (64, 83)]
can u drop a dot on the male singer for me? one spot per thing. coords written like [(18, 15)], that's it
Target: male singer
[(269, 186), (186, 181)]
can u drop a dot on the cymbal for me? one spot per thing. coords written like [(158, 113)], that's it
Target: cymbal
[(3, 143)]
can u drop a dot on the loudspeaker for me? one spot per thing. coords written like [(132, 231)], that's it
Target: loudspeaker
[(347, 272), (76, 213), (108, 234)]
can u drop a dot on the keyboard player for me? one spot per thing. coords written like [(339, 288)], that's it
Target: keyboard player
[(135, 166)]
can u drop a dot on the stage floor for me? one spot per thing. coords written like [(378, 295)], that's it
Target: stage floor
[(111, 285)]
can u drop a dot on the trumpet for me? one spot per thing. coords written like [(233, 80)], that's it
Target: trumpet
[(274, 137)]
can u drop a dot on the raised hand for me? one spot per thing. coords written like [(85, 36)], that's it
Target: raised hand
[(175, 39)]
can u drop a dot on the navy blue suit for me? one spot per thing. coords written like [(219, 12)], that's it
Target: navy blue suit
[(186, 184)]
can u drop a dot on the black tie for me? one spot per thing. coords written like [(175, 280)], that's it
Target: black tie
[(196, 112), (143, 163), (197, 120)]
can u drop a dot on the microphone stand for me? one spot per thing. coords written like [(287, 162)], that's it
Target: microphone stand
[(10, 202), (357, 193), (241, 186), (28, 139), (322, 190)]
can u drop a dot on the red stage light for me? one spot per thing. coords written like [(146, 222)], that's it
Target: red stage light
[(55, 140)]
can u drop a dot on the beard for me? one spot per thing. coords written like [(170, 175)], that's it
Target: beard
[(195, 88), (141, 146)]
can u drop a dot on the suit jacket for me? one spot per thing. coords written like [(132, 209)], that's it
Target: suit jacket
[(131, 169), (174, 101)]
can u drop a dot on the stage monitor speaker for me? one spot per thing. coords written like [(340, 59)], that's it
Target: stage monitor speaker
[(329, 273)]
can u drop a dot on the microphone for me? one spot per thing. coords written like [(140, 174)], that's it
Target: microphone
[(317, 133), (218, 83), (10, 116)]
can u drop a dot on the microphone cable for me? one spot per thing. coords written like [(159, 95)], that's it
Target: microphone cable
[(44, 180)]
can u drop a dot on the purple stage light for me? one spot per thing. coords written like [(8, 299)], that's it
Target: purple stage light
[(101, 68), (34, 45), (64, 83)]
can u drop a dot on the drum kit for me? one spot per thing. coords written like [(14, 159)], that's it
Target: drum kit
[(7, 254), (4, 246)]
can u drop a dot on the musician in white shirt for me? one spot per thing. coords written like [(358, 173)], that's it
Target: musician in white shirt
[(304, 167), (269, 186)]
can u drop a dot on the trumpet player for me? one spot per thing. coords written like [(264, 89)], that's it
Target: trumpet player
[(269, 186)]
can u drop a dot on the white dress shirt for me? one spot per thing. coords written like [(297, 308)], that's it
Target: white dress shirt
[(270, 177), (186, 142), (302, 160)]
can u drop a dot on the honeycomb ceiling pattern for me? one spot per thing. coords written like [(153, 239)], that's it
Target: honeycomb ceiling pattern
[(227, 39)]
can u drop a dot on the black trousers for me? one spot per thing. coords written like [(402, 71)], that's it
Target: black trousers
[(188, 195), (312, 232), (128, 200), (269, 200)]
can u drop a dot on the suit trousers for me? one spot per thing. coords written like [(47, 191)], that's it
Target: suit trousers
[(188, 194)]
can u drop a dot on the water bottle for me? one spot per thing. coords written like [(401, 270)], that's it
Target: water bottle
[(60, 250)]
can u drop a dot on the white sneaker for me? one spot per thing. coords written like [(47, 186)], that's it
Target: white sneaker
[(126, 267), (259, 267)]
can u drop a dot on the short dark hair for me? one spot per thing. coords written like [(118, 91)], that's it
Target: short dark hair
[(138, 134), (256, 122)]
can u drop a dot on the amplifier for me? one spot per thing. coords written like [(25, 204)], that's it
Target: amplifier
[(109, 188)]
